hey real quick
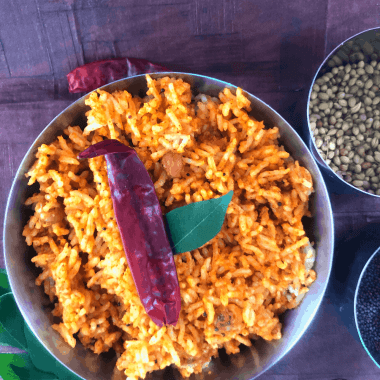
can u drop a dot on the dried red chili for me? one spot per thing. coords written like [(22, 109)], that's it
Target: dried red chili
[(96, 74), (139, 217)]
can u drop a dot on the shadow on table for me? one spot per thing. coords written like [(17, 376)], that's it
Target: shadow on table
[(352, 251)]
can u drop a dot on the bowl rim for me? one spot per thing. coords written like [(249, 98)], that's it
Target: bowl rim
[(313, 148), (331, 236), (357, 290)]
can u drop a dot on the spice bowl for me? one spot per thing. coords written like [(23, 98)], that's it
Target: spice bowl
[(343, 113), (251, 361), (367, 307)]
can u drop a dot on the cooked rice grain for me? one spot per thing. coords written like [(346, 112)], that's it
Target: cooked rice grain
[(233, 288)]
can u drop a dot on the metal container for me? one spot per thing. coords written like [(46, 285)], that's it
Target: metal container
[(366, 43), (250, 362), (367, 307)]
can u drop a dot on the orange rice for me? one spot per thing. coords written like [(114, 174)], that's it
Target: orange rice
[(233, 289)]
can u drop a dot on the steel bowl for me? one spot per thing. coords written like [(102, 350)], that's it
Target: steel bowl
[(251, 361), (365, 43), (367, 307)]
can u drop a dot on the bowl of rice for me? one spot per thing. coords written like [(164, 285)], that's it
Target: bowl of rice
[(248, 295)]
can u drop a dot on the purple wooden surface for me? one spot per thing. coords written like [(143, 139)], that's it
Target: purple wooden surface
[(270, 48)]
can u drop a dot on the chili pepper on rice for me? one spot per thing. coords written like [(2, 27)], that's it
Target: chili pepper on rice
[(142, 230)]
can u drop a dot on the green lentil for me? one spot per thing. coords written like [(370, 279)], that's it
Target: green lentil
[(344, 118)]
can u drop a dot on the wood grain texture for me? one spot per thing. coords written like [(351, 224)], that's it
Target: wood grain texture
[(97, 50), (20, 23), (19, 90), (65, 5), (210, 19), (144, 24), (4, 69), (34, 89), (60, 29)]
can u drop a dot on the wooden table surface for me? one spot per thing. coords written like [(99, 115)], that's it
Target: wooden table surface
[(271, 48)]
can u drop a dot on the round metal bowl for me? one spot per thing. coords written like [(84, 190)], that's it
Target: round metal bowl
[(367, 307), (365, 43), (250, 362)]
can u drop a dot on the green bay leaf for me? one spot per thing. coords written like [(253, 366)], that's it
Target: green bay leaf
[(193, 225), (4, 283), (12, 321), (6, 339), (20, 367)]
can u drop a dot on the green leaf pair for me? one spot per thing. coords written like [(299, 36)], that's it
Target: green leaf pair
[(194, 225), (36, 362)]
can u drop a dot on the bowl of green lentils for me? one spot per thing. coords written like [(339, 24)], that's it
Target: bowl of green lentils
[(344, 113)]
